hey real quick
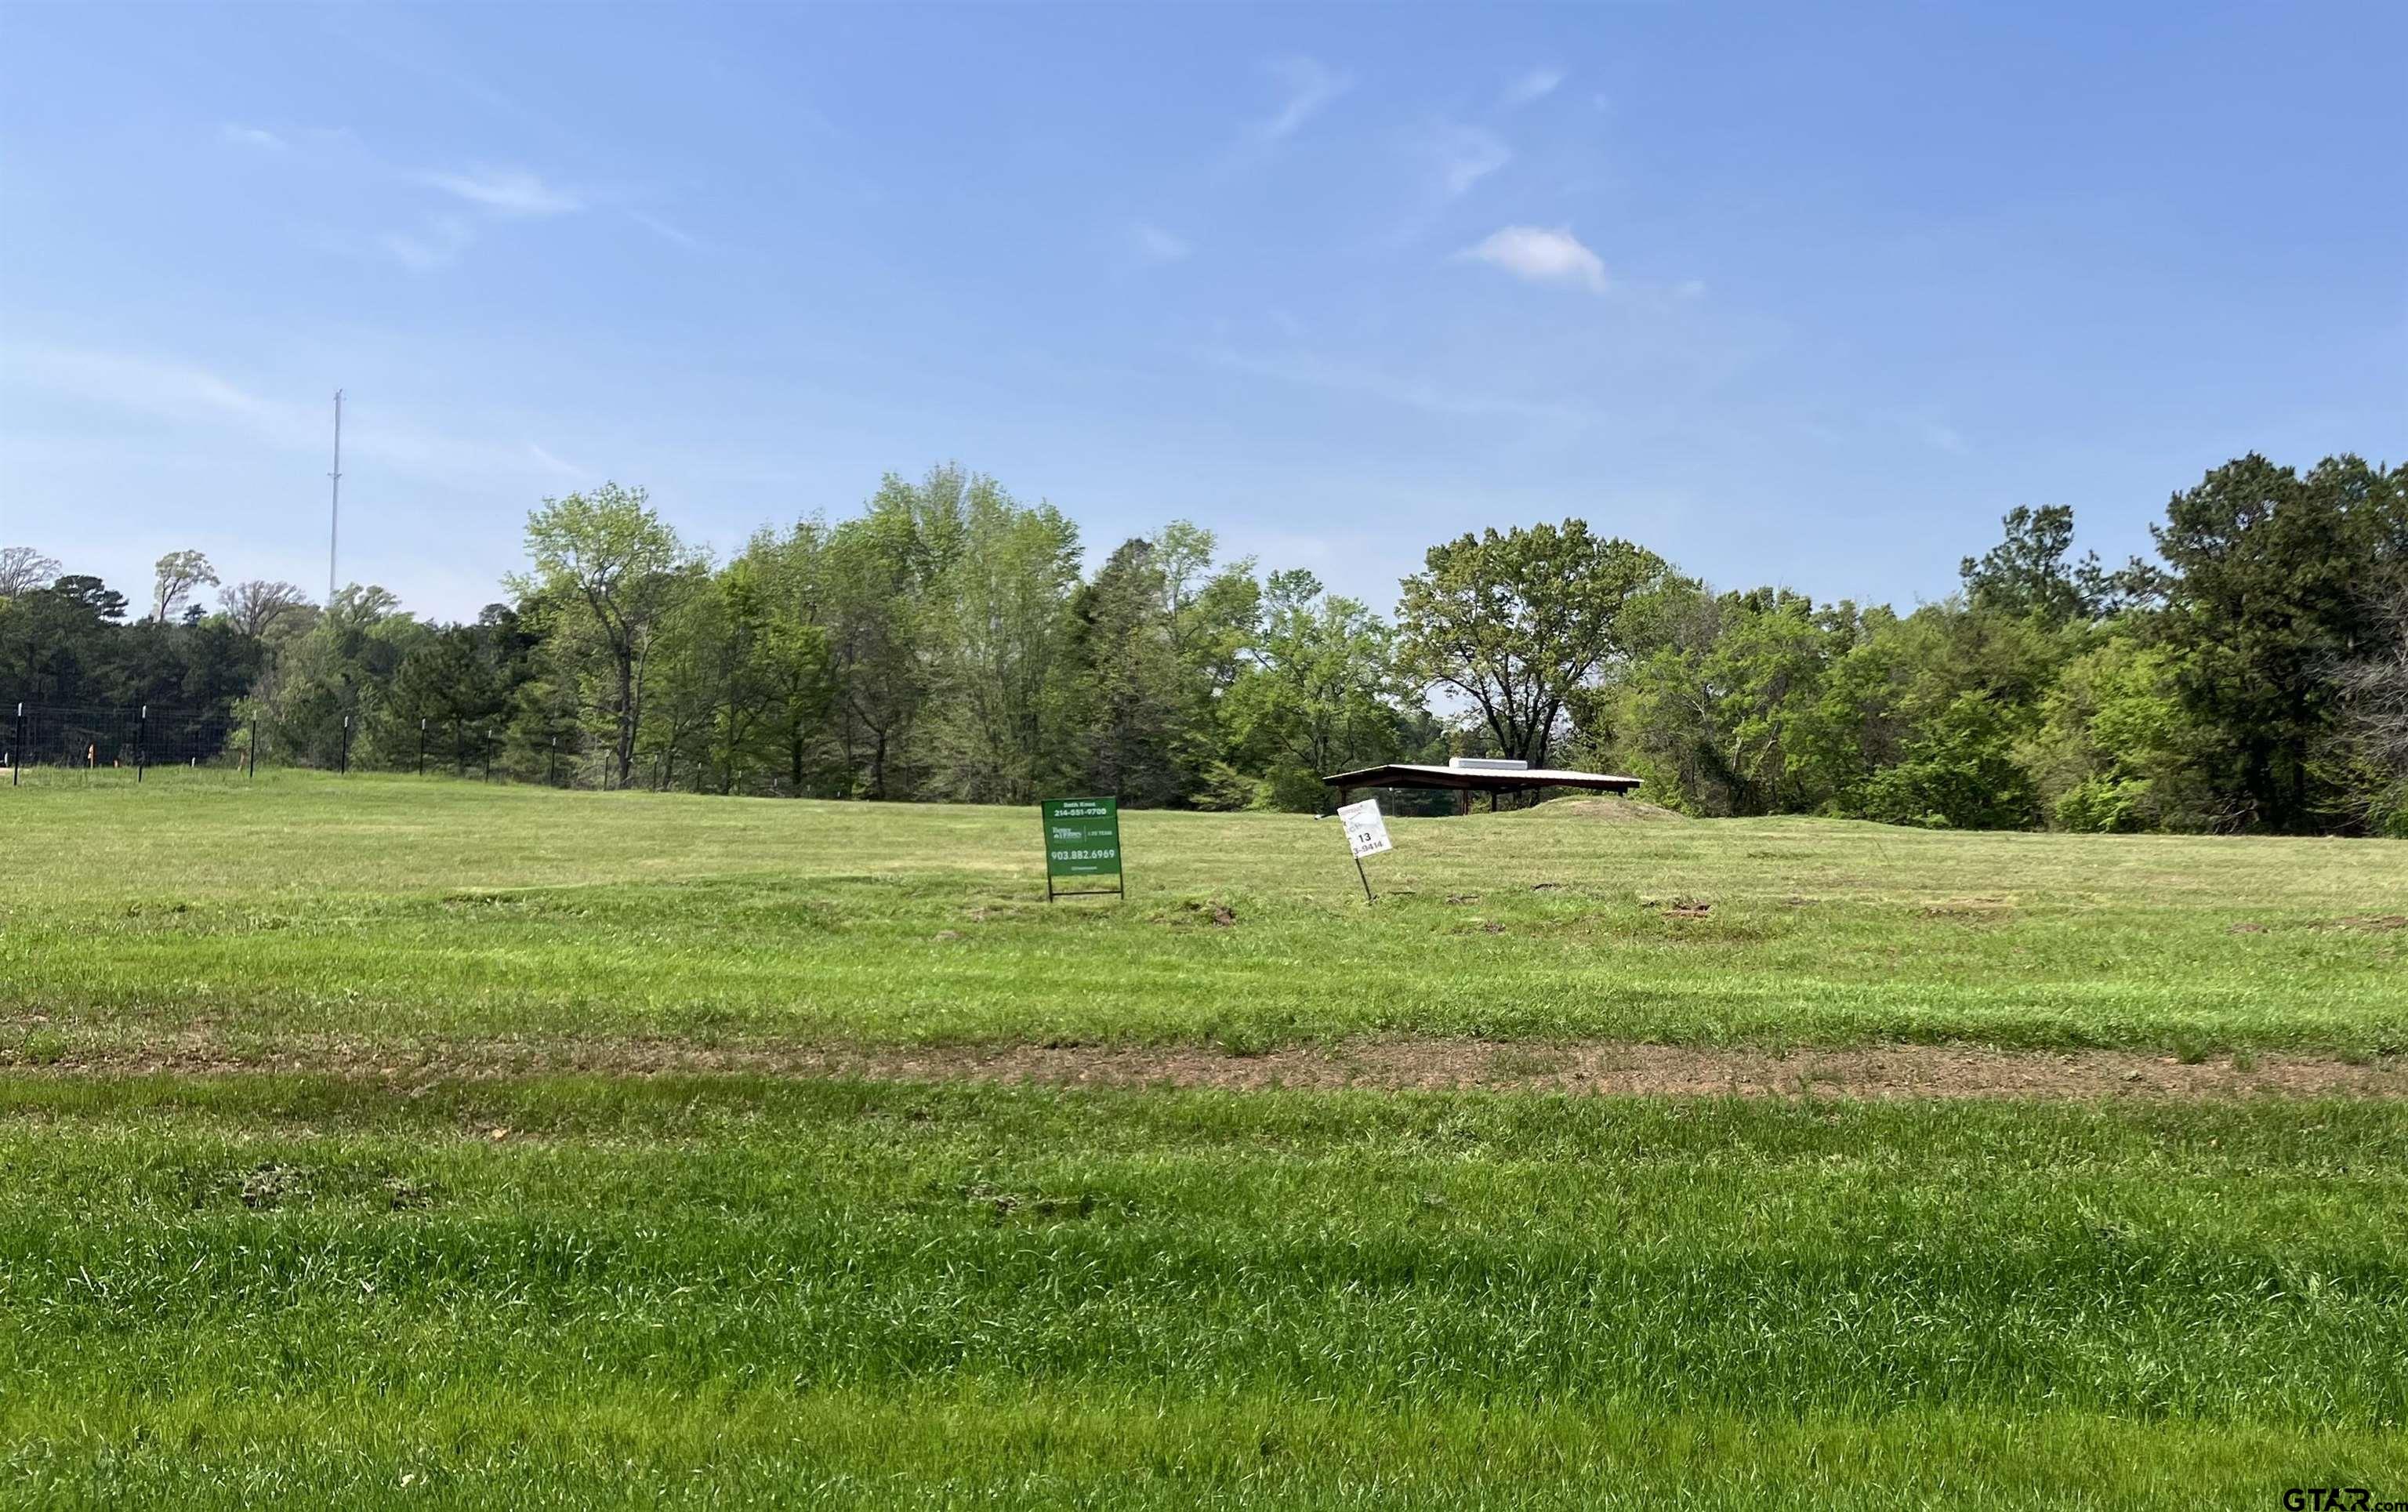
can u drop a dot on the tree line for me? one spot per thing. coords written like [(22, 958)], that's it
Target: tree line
[(946, 641)]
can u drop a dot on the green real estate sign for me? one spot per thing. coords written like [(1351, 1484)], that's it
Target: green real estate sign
[(1083, 838)]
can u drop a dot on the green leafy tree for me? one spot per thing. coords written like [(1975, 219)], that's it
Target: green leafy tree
[(696, 667), (1213, 609), (1000, 636), (1958, 771), (875, 574), (611, 571), (743, 673), (717, 722), (1710, 713), (2269, 572), (875, 586), (1318, 693), (179, 576), (1515, 625), (798, 749), (2115, 749), (260, 609), (343, 668), (1131, 706), (450, 681), (2032, 574), (1157, 636), (55, 642), (1950, 691)]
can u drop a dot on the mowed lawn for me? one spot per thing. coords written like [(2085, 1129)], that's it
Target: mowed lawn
[(321, 1280), (396, 910), (261, 1288)]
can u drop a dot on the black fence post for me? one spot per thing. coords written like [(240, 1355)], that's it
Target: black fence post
[(141, 741), (422, 747), (551, 764), (343, 767), (17, 751), (459, 761), (252, 766)]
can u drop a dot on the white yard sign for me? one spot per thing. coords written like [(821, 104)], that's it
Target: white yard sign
[(1366, 836)]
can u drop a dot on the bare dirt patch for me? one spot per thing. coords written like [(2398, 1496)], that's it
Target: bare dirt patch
[(1593, 1068)]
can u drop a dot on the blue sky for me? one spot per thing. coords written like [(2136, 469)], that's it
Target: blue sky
[(1797, 294)]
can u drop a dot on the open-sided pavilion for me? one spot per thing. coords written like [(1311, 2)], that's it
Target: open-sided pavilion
[(1468, 775)]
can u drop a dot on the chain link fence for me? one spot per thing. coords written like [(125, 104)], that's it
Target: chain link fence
[(57, 743)]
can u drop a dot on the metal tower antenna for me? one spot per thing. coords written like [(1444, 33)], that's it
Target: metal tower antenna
[(334, 505)]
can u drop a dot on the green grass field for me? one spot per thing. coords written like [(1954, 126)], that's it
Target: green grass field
[(368, 1258), (395, 911)]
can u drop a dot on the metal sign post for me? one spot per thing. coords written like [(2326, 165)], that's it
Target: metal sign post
[(1366, 834), (1083, 839)]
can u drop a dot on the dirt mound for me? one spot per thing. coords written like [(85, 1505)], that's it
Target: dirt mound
[(1607, 810)]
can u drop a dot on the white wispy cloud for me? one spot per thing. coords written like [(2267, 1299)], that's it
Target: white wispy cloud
[(506, 190), (176, 391), (1308, 84), (437, 245), (554, 465), (1156, 244), (666, 232), (1464, 155), (437, 241), (162, 387), (1539, 255), (241, 136), (1535, 85)]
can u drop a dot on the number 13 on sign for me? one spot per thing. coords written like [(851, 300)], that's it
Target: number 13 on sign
[(1366, 836)]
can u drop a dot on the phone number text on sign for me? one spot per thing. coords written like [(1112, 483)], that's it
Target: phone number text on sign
[(1082, 837), (1366, 834)]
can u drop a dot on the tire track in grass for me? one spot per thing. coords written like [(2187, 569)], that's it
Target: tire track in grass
[(1907, 1071)]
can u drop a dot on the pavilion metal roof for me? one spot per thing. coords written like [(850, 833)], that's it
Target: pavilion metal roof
[(1483, 780)]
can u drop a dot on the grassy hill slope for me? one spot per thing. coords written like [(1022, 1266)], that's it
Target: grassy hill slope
[(384, 910)]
